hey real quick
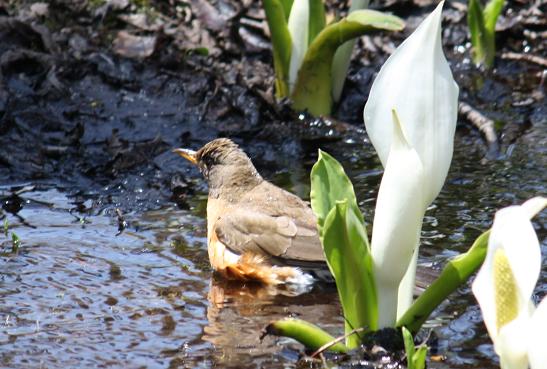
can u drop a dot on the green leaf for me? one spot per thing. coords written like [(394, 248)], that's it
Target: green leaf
[(455, 273), (415, 358), (482, 27), (287, 5), (348, 256), (281, 43), (317, 19), (16, 242), (344, 239), (329, 184), (304, 332), (6, 226), (418, 360), (313, 86), (491, 13), (409, 347), (475, 22)]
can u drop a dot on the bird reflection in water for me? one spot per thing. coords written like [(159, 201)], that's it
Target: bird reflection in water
[(237, 314)]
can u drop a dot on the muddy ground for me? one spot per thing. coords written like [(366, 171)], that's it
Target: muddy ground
[(94, 94)]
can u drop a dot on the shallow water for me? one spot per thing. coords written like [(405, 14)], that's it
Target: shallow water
[(78, 294)]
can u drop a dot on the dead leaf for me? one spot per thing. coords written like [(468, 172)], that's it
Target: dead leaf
[(118, 4), (143, 21), (131, 46), (39, 10), (209, 15)]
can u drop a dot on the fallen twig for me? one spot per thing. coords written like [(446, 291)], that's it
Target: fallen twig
[(335, 341), (483, 124), (526, 57)]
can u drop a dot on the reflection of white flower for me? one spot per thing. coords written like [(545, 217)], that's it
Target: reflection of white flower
[(417, 83), (504, 286)]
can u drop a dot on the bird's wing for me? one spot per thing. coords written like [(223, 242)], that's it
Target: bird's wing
[(280, 237)]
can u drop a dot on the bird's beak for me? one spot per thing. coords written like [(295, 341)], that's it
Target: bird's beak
[(187, 154)]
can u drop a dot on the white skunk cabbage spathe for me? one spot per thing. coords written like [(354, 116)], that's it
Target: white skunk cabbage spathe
[(397, 221), (417, 83), (298, 25), (504, 286)]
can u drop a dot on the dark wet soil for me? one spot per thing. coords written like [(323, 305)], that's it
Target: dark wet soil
[(112, 268)]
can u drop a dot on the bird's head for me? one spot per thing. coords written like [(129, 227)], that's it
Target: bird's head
[(222, 162)]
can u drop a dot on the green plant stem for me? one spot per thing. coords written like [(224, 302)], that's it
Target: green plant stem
[(455, 273), (306, 333)]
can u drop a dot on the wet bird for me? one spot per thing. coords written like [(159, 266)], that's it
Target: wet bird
[(255, 230)]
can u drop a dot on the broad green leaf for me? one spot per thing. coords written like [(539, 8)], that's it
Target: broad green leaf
[(455, 273), (314, 82), (317, 19), (281, 43), (342, 57), (344, 239), (304, 332), (348, 256), (329, 184)]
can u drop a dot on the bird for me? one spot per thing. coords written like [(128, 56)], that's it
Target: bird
[(256, 231)]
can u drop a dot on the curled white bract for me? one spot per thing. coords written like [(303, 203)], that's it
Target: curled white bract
[(417, 83), (504, 286)]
